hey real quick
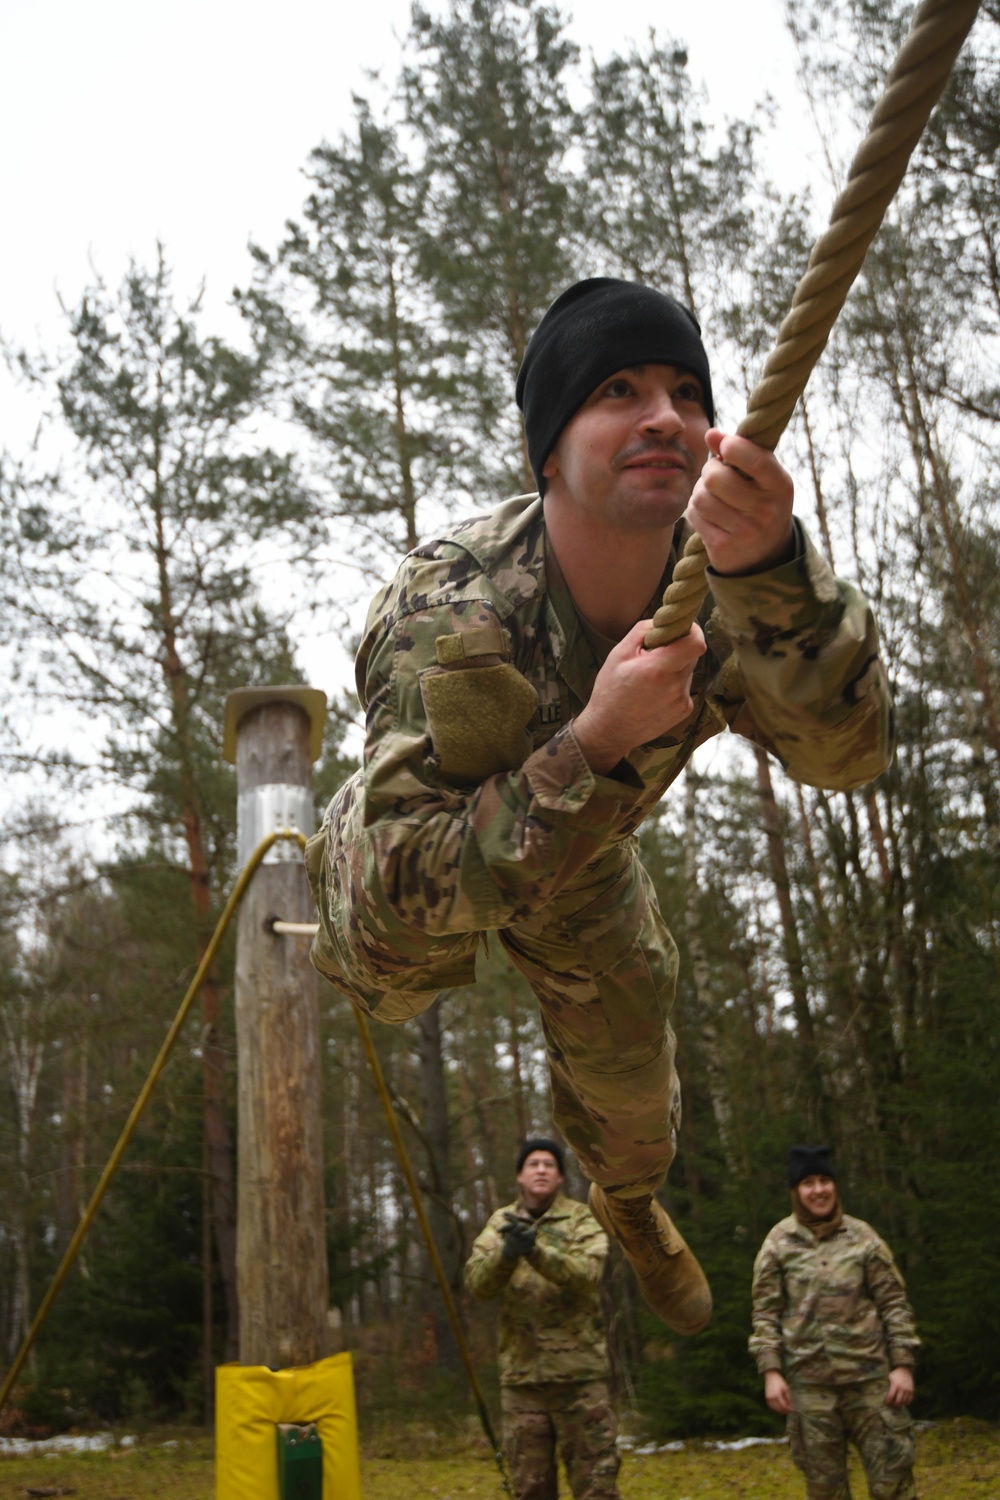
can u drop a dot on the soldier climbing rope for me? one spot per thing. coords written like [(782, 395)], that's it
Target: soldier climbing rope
[(913, 87)]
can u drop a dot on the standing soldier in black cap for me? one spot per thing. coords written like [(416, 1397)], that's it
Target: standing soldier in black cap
[(518, 732), (835, 1339), (543, 1257)]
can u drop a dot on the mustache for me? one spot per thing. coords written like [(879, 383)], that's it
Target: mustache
[(652, 448)]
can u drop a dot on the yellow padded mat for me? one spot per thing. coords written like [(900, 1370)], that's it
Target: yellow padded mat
[(250, 1400)]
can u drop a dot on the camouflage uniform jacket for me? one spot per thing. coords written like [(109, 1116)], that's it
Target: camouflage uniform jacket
[(551, 1322), (831, 1311), (427, 858)]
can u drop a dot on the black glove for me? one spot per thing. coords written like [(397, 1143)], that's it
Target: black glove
[(518, 1237)]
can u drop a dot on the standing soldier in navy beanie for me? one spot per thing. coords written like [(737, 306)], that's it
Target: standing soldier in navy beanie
[(542, 1257), (518, 732), (835, 1339)]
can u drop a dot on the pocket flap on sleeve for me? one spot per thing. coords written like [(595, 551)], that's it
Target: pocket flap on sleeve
[(478, 717)]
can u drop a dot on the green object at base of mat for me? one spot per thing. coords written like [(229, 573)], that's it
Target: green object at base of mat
[(300, 1461)]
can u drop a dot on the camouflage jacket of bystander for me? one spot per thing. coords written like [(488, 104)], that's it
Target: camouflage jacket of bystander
[(551, 1320), (830, 1311)]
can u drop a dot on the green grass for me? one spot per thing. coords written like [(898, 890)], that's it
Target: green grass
[(955, 1461)]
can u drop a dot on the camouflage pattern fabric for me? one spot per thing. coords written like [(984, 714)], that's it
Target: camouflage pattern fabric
[(575, 1420), (418, 856), (551, 1326), (831, 1311), (826, 1417)]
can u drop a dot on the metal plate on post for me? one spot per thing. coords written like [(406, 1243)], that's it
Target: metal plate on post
[(300, 1461), (263, 810)]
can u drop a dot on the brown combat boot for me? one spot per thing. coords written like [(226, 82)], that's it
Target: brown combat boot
[(670, 1278)]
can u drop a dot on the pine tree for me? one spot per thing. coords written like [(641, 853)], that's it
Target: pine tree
[(658, 202), (357, 358), (134, 584), (486, 93)]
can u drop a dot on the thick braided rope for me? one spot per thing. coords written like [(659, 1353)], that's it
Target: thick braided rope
[(912, 89)]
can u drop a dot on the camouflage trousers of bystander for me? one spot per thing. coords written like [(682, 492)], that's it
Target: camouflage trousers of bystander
[(826, 1417), (573, 1420)]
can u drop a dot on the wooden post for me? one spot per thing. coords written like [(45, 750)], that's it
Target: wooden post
[(281, 1262)]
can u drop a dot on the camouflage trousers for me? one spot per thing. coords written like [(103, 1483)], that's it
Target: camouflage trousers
[(603, 967), (827, 1416), (574, 1419), (602, 964)]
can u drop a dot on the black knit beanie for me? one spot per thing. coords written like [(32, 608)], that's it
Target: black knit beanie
[(595, 328), (540, 1143), (809, 1161)]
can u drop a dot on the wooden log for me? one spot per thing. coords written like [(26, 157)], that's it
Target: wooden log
[(281, 1252)]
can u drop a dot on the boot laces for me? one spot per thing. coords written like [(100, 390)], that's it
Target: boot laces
[(638, 1214)]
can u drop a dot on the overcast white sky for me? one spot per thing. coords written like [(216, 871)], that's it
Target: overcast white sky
[(123, 121)]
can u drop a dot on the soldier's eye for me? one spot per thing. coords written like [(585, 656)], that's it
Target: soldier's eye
[(690, 390)]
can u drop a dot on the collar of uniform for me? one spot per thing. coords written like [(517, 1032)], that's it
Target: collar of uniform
[(574, 655), (794, 1226), (559, 1208)]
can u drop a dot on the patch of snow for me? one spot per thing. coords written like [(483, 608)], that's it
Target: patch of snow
[(97, 1442), (648, 1448), (739, 1443), (734, 1445)]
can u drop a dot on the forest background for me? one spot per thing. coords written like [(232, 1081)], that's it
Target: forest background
[(192, 508)]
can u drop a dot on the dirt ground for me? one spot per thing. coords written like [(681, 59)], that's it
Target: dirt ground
[(955, 1461)]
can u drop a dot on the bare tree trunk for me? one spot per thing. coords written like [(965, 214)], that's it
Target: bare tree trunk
[(207, 1308), (70, 1198), (818, 495), (520, 1115), (437, 1140), (220, 1159), (708, 1005), (24, 1061), (338, 1155), (805, 1029), (217, 1136), (936, 493)]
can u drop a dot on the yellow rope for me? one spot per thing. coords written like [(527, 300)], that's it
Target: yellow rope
[(912, 89), (73, 1248), (432, 1250)]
